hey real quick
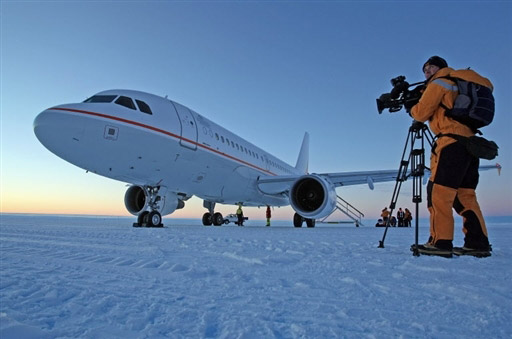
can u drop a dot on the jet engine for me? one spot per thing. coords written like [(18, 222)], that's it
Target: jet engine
[(138, 199), (313, 197)]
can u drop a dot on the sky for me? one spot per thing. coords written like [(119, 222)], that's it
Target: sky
[(268, 70)]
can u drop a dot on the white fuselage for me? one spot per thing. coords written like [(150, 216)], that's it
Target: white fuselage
[(173, 147)]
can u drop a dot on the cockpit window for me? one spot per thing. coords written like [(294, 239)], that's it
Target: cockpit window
[(126, 102), (143, 106), (123, 101), (101, 98)]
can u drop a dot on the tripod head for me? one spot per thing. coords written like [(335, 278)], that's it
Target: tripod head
[(417, 126)]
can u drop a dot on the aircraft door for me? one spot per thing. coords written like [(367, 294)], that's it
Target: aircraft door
[(188, 127)]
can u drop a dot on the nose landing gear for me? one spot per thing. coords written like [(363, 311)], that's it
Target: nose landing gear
[(149, 219)]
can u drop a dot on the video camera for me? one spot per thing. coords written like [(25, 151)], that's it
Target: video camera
[(400, 94)]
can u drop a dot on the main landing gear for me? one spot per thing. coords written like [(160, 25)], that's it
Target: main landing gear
[(298, 220), (212, 217)]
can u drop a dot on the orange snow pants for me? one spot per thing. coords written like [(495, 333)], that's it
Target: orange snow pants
[(452, 185)]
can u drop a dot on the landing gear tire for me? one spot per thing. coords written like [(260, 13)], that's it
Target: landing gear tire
[(310, 222), (207, 219), (297, 220), (141, 219), (218, 219), (154, 219)]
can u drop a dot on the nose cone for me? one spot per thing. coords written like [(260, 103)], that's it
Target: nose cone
[(42, 127), (58, 131)]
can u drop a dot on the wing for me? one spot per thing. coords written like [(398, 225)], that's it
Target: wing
[(362, 177), (282, 184)]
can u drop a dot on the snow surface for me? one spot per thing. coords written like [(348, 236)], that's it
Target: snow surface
[(97, 277)]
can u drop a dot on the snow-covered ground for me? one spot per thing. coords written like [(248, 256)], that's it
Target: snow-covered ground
[(96, 277)]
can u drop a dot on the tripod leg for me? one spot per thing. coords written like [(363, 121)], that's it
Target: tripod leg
[(401, 177), (418, 170), (415, 251)]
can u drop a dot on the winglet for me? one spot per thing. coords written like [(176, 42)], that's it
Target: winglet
[(303, 160), (498, 166)]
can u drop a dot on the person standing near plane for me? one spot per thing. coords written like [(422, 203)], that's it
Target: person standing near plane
[(385, 215), (407, 218), (240, 215), (269, 215), (454, 171), (400, 216)]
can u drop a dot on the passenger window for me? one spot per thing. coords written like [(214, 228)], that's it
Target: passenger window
[(126, 102), (143, 107)]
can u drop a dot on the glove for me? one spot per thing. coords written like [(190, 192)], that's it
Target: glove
[(413, 97)]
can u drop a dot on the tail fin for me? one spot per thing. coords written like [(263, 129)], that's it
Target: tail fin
[(303, 160)]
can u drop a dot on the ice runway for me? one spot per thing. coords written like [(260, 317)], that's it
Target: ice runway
[(96, 277)]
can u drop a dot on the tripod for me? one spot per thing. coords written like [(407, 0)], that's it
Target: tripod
[(416, 157)]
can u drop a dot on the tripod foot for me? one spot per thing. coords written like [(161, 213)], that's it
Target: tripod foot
[(415, 251)]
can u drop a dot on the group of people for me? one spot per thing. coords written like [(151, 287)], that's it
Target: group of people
[(403, 218)]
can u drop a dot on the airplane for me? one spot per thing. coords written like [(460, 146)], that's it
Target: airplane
[(169, 153)]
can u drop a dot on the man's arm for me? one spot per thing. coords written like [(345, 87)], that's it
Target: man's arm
[(429, 101)]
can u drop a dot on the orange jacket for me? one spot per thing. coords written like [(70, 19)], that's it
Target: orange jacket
[(439, 91)]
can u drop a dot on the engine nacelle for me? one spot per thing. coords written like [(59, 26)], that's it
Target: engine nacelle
[(138, 199), (313, 197)]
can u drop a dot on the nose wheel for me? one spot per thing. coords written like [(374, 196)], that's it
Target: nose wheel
[(149, 219)]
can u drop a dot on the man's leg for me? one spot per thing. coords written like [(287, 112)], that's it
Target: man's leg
[(466, 205), (449, 164)]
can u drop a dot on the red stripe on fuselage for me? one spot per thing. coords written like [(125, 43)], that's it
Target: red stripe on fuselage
[(131, 122)]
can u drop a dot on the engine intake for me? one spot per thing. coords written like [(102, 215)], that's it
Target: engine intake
[(313, 197), (135, 200)]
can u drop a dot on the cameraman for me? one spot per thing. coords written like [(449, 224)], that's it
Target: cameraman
[(454, 172)]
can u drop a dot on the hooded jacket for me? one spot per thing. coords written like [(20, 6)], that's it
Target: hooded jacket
[(439, 91)]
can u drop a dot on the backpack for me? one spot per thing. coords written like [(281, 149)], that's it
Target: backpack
[(474, 105)]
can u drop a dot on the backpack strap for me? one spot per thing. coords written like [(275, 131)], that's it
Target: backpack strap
[(446, 108)]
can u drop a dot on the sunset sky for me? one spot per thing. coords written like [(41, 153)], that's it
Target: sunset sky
[(271, 69)]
